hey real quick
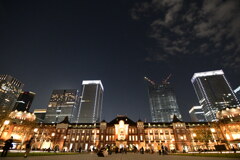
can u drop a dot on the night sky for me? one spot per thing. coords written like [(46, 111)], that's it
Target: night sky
[(56, 44)]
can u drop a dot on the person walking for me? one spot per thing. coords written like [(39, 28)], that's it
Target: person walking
[(142, 150), (159, 149), (80, 149), (28, 147), (163, 150), (7, 146)]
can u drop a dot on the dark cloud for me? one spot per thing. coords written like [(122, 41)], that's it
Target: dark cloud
[(193, 27)]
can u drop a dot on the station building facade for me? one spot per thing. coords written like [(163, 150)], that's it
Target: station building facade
[(123, 132)]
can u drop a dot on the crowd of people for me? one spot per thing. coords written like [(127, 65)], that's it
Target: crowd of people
[(102, 152), (107, 150)]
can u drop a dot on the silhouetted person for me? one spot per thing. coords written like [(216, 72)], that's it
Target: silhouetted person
[(234, 150), (116, 150), (163, 150), (159, 149), (100, 152), (7, 146), (28, 147)]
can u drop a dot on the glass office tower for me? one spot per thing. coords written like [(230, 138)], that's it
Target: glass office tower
[(90, 109), (214, 92), (24, 101), (40, 115), (197, 114), (10, 88), (163, 103), (62, 103)]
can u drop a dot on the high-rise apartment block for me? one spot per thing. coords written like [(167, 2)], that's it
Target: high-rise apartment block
[(90, 109), (10, 88), (163, 103), (24, 101), (214, 92), (62, 103), (197, 114)]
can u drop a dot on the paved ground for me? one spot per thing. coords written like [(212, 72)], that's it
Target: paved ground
[(129, 156)]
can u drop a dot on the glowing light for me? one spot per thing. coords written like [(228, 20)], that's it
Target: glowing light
[(194, 107), (205, 74), (213, 130), (53, 134), (236, 136), (93, 82), (6, 122), (227, 136), (7, 100), (194, 134), (121, 130), (237, 89), (35, 130), (16, 136)]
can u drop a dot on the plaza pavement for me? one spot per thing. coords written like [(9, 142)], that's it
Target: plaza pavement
[(129, 156)]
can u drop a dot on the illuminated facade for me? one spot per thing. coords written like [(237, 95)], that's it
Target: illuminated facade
[(62, 103), (22, 115), (123, 132), (10, 88), (90, 109), (197, 115), (163, 103), (20, 125), (214, 92), (24, 101)]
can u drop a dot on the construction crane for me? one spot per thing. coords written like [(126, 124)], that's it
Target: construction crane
[(150, 81), (165, 81)]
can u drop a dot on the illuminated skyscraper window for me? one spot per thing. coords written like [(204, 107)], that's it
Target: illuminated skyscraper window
[(214, 92), (62, 103), (10, 88)]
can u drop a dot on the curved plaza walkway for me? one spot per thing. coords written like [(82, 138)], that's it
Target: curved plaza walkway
[(129, 156)]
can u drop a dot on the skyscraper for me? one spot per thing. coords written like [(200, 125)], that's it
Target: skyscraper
[(24, 101), (197, 114), (40, 114), (62, 103), (10, 88), (163, 103), (214, 92), (91, 102)]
